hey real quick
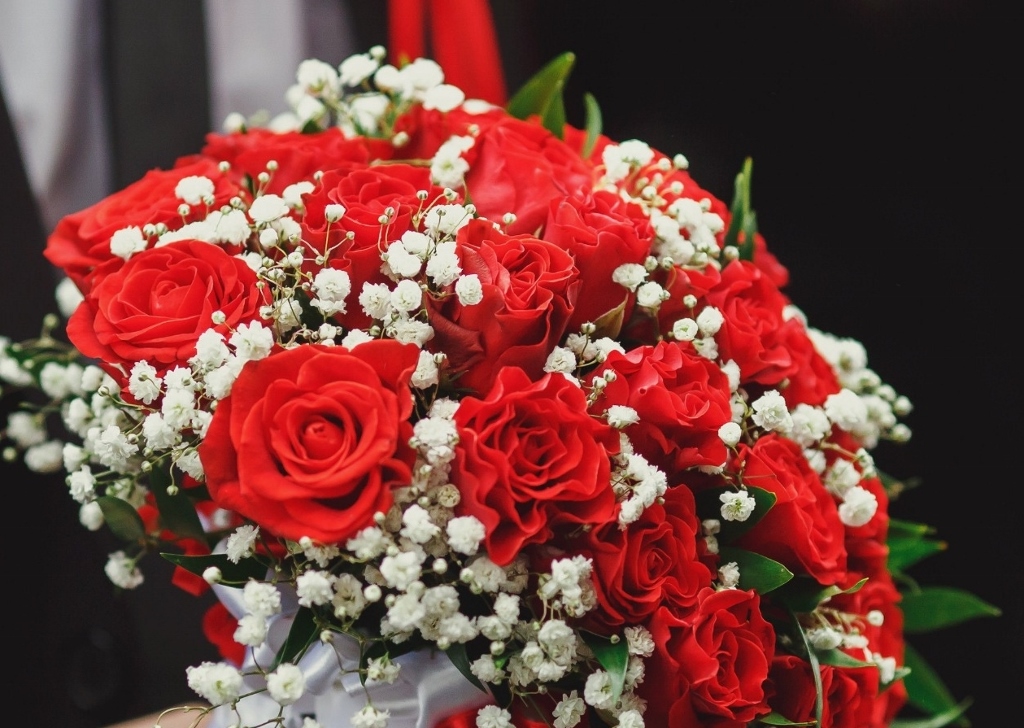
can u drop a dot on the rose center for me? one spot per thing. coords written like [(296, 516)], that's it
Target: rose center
[(322, 437)]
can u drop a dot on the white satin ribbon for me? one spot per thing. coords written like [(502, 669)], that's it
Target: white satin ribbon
[(428, 688)]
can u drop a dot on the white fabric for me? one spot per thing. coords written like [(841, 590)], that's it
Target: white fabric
[(51, 73), (429, 687)]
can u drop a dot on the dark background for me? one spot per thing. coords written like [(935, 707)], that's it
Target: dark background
[(880, 134)]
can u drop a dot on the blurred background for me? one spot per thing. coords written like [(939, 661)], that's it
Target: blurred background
[(883, 169)]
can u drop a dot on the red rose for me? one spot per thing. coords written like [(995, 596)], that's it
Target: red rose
[(311, 440), (81, 240), (802, 530), (519, 167), (531, 460), (529, 289), (653, 562), (754, 334), (160, 301), (366, 194), (709, 667), (602, 232), (681, 397), (298, 156), (849, 693)]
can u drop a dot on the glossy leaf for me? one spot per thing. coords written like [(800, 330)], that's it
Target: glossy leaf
[(938, 607), (542, 95), (905, 551), (121, 517), (592, 124), (774, 718), (614, 658), (460, 658), (803, 594), (177, 511), (757, 572), (709, 506), (838, 658), (743, 221), (303, 632), (925, 689), (232, 574)]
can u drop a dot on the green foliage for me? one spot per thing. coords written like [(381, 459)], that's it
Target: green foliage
[(614, 658), (232, 574), (303, 632), (743, 221), (709, 506), (122, 518), (938, 607), (757, 572), (542, 95)]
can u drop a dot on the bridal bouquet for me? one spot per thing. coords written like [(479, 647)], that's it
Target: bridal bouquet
[(472, 417)]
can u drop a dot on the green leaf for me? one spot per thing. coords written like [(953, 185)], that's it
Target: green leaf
[(122, 518), (232, 574), (812, 658), (938, 607), (899, 527), (743, 221), (302, 634), (757, 572), (838, 658), (460, 658), (542, 95), (804, 594), (774, 718), (953, 716), (177, 512), (614, 658), (925, 689), (593, 123), (709, 506), (905, 551)]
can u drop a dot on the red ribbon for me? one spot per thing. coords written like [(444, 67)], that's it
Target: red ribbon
[(462, 39)]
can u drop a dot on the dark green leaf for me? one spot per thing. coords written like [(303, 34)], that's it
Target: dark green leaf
[(709, 506), (460, 658), (592, 124), (925, 689), (542, 95), (812, 658), (953, 716), (610, 323), (804, 594), (302, 634), (938, 607), (757, 572), (743, 221), (177, 512), (838, 658), (614, 658), (905, 551), (232, 574), (899, 527), (774, 718), (122, 518)]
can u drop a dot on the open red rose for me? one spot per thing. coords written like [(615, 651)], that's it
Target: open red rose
[(849, 693), (156, 305), (311, 440), (367, 194), (602, 232), (529, 291), (710, 666), (81, 240), (530, 460), (519, 167), (681, 397), (802, 530), (297, 155), (653, 562)]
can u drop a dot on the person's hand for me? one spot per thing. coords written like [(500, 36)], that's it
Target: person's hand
[(171, 718)]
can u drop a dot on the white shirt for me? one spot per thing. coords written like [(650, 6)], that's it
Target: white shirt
[(51, 71)]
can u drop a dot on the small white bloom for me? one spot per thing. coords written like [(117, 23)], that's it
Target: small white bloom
[(251, 630), (402, 569), (261, 598), (370, 717), (729, 574), (569, 711), (469, 290), (46, 457), (629, 275), (314, 588), (710, 321), (143, 383), (598, 690), (90, 515), (730, 433), (252, 341), (771, 413), (407, 296), (417, 526), (265, 209), (67, 296), (858, 507), (217, 683), (443, 97), (122, 571), (846, 409), (127, 242), (621, 416), (241, 543), (491, 716), (736, 505), (286, 684)]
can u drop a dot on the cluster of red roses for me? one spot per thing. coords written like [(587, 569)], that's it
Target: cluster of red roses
[(316, 434)]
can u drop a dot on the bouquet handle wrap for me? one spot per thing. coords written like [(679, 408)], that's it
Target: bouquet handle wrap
[(429, 688)]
